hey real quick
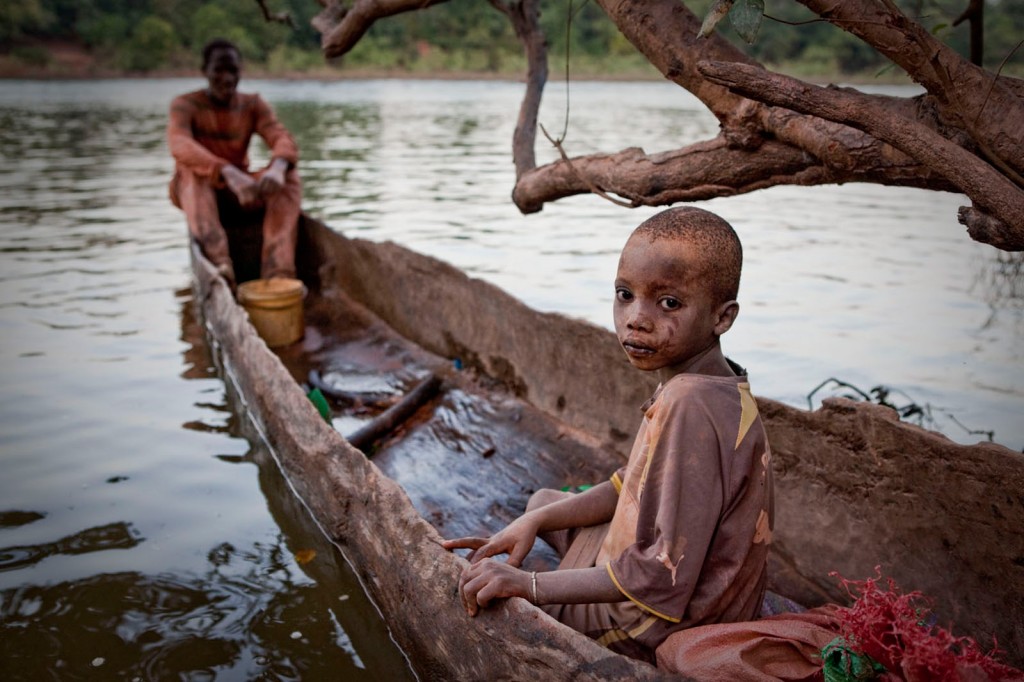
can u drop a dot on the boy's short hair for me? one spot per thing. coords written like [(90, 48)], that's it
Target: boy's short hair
[(218, 44), (719, 248)]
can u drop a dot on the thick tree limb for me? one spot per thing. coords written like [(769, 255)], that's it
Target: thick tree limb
[(701, 171), (342, 27), (665, 32), (944, 73), (992, 192), (525, 18)]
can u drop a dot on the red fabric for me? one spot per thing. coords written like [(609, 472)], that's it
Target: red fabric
[(785, 647)]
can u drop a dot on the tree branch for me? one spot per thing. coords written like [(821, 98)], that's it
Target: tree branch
[(278, 17), (992, 192), (942, 72), (701, 171), (525, 18), (341, 27), (666, 34)]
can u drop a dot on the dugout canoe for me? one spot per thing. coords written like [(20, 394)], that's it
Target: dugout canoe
[(519, 405)]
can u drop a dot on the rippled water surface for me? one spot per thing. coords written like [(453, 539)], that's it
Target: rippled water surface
[(142, 535)]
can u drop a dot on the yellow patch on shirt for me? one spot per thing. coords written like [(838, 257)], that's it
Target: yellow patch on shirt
[(748, 411), (763, 530)]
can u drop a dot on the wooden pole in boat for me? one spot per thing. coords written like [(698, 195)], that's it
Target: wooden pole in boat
[(390, 419)]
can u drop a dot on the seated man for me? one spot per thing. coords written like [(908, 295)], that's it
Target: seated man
[(208, 134)]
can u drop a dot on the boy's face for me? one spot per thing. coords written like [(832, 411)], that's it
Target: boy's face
[(664, 315), (222, 74)]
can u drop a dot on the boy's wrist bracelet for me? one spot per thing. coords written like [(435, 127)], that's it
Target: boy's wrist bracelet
[(533, 586)]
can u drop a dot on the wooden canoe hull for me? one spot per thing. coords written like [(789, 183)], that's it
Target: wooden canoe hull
[(855, 487)]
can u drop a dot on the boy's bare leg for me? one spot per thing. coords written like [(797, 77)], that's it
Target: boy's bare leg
[(558, 539), (281, 229), (197, 198)]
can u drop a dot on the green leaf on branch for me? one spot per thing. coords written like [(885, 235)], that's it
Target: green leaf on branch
[(717, 12), (746, 18)]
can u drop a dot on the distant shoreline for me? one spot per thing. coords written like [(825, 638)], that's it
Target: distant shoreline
[(325, 75), (73, 64)]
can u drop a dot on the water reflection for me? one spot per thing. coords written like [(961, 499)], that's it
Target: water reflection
[(251, 615), (119, 535), (271, 610), (1000, 282), (316, 623)]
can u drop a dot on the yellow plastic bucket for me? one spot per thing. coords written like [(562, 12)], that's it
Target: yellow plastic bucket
[(275, 308)]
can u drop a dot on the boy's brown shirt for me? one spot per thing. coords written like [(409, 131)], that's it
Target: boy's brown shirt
[(688, 544)]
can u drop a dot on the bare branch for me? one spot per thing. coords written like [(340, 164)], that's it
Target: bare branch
[(525, 18), (594, 189), (278, 17), (939, 69), (666, 34), (990, 190), (342, 27), (975, 14), (705, 170), (986, 229)]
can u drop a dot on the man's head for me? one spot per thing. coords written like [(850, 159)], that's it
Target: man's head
[(222, 65), (676, 286)]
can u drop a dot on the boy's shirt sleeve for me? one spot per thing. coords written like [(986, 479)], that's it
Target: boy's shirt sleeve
[(184, 148), (279, 140), (668, 510)]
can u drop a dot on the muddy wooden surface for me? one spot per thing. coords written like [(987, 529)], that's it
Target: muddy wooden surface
[(470, 457), (371, 518), (855, 488)]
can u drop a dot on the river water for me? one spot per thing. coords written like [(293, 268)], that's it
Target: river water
[(143, 536)]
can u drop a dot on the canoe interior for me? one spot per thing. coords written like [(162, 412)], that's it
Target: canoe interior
[(534, 400), (380, 527)]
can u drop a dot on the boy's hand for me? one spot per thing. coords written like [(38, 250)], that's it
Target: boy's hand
[(485, 581), (516, 539)]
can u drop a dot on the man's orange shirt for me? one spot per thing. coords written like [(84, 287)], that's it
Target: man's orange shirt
[(203, 136)]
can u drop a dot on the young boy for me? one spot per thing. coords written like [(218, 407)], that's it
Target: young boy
[(208, 134), (679, 536)]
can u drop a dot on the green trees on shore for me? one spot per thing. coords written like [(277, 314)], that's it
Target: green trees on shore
[(462, 35)]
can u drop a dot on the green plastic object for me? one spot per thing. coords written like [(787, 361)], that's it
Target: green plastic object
[(320, 402), (576, 489), (842, 664)]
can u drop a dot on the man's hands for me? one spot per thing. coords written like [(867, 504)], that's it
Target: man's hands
[(241, 185), (272, 180), (251, 191)]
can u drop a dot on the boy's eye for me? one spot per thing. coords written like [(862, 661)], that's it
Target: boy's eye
[(669, 303), (623, 294)]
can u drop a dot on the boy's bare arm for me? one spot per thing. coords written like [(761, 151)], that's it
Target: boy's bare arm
[(596, 505), (486, 581)]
